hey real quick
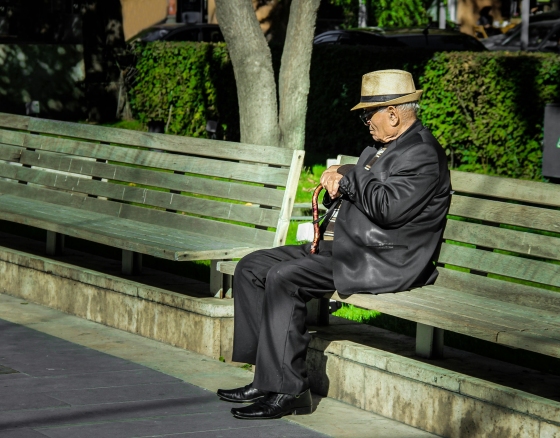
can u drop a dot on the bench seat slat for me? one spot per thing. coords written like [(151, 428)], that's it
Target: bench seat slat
[(485, 304), (189, 204), (507, 315), (500, 264), (537, 341), (486, 330), (191, 145), (160, 179), (248, 235), (505, 213), (274, 176), (145, 238), (505, 239), (506, 188), (14, 121), (10, 153), (445, 320), (492, 288)]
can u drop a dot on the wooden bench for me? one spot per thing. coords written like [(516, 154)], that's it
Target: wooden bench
[(499, 269), (177, 198)]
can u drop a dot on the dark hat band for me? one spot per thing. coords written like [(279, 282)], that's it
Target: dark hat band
[(382, 97)]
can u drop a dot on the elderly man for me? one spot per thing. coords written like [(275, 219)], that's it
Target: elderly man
[(381, 234)]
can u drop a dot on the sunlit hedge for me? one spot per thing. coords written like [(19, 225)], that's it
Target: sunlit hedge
[(485, 108)]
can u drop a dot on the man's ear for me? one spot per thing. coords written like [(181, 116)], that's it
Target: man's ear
[(394, 116)]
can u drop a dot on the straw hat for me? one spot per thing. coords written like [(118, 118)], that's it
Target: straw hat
[(387, 87)]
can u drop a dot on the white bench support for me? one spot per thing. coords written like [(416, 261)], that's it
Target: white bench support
[(429, 341), (220, 281), (55, 243), (131, 262)]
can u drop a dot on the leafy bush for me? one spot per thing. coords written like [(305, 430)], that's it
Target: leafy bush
[(487, 109), (185, 84)]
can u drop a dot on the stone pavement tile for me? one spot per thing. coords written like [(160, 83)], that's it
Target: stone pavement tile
[(21, 433), (76, 362), (15, 402), (156, 391), (110, 379), (111, 412), (171, 425)]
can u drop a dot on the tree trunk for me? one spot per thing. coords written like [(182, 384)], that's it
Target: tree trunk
[(294, 73), (252, 66)]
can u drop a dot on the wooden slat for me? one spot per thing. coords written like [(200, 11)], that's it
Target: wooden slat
[(521, 317), (172, 143), (121, 233), (445, 320), (10, 153), (538, 342), (189, 204), (506, 188), (492, 288), (202, 186), (227, 267), (14, 121), (505, 213), (504, 239), (347, 159), (201, 166), (486, 330), (509, 266), (247, 235), (13, 138)]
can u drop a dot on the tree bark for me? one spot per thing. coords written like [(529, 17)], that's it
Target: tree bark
[(254, 76), (294, 81)]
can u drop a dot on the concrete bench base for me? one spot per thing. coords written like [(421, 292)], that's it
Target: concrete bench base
[(364, 366)]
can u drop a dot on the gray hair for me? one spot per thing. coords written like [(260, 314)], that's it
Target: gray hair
[(409, 109)]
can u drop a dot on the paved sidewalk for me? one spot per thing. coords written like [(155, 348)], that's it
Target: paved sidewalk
[(62, 376)]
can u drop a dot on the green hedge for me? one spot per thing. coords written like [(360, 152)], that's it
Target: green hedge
[(485, 108), (185, 84)]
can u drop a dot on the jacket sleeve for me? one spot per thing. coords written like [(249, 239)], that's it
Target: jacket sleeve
[(393, 199)]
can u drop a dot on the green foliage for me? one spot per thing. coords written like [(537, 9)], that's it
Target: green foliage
[(486, 109), (184, 85), (385, 13)]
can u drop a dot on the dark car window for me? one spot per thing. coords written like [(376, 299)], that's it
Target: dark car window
[(326, 38), (537, 34), (212, 35), (183, 35), (441, 42), (153, 34)]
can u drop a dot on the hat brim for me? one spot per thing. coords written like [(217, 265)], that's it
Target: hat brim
[(404, 99)]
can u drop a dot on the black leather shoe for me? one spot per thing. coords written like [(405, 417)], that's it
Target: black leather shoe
[(275, 406), (247, 394)]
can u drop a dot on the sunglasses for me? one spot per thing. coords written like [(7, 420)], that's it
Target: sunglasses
[(367, 115)]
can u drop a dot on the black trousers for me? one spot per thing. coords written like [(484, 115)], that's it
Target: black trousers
[(271, 288)]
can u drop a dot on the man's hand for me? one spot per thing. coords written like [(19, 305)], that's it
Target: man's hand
[(330, 179)]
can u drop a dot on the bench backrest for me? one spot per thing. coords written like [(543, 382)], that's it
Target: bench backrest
[(240, 192), (500, 228)]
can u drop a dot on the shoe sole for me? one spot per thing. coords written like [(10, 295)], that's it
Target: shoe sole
[(240, 401), (306, 410)]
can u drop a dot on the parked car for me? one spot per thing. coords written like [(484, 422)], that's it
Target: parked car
[(544, 36), (429, 39), (203, 32)]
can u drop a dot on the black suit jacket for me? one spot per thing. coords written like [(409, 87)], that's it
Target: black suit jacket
[(389, 227)]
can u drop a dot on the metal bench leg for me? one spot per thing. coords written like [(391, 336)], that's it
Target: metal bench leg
[(55, 243), (131, 262), (318, 312), (429, 341)]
